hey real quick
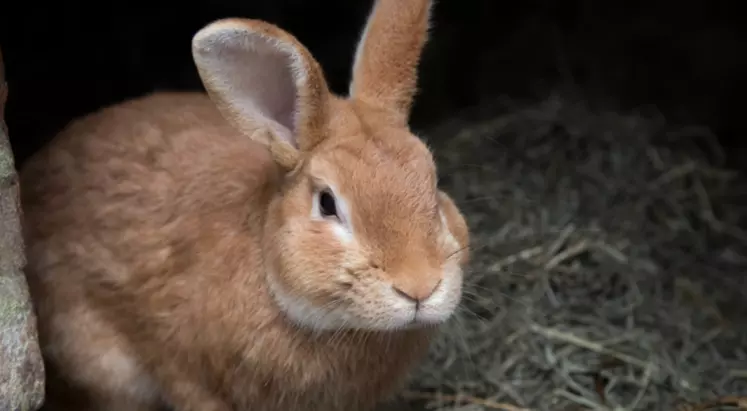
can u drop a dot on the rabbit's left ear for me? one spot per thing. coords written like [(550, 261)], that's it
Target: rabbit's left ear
[(265, 82), (386, 60)]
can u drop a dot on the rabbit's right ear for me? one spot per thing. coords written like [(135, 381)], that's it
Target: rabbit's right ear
[(265, 82), (385, 69)]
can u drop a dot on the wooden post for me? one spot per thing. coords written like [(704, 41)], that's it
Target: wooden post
[(21, 367)]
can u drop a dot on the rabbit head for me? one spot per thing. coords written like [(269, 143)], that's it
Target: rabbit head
[(358, 234)]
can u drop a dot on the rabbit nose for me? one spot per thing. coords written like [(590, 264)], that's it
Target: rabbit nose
[(417, 291)]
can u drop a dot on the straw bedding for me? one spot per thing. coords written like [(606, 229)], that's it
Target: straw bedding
[(608, 265)]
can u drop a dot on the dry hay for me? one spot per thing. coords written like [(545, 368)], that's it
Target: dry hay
[(607, 269)]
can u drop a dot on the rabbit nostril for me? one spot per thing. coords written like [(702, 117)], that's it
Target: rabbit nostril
[(403, 294), (417, 293)]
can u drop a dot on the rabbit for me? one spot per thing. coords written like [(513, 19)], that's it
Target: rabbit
[(262, 245)]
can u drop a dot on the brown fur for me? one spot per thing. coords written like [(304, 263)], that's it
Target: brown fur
[(154, 226)]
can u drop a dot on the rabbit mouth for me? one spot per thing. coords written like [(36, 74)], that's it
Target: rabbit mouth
[(373, 306)]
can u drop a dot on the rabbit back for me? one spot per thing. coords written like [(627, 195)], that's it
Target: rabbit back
[(118, 203)]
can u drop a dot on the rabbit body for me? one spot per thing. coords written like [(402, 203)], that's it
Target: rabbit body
[(266, 246), (141, 235)]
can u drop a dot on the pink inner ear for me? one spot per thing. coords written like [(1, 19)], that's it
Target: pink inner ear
[(257, 79)]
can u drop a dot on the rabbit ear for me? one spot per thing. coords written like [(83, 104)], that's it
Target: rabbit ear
[(388, 53), (265, 82)]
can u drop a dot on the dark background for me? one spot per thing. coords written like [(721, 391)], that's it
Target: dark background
[(686, 58)]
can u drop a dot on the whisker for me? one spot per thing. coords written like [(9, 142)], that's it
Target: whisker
[(467, 311), (451, 255), (462, 337), (338, 334)]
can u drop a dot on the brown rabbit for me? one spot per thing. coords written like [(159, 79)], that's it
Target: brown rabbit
[(270, 247)]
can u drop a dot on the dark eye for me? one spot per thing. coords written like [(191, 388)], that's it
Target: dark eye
[(327, 205)]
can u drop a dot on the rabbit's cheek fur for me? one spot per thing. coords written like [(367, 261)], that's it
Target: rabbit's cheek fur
[(305, 313), (310, 287), (456, 234)]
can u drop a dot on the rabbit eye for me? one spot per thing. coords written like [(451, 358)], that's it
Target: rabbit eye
[(327, 204)]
